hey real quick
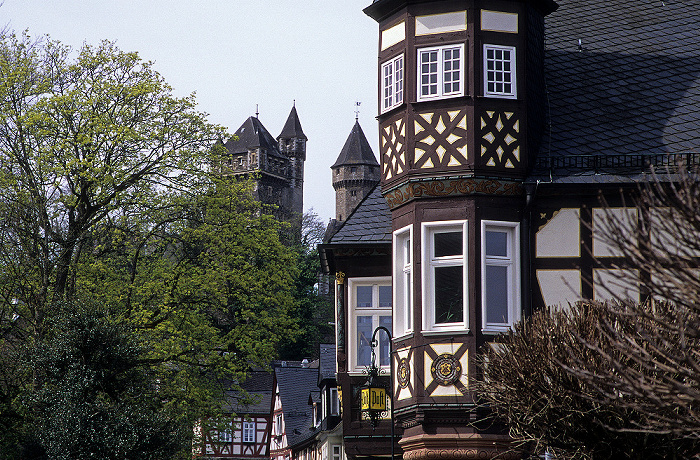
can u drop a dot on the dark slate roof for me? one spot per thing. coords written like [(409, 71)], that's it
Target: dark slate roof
[(326, 362), (633, 88), (356, 150), (296, 384), (292, 128), (369, 223), (258, 386), (251, 135)]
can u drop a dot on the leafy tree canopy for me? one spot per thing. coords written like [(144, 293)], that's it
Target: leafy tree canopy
[(108, 195)]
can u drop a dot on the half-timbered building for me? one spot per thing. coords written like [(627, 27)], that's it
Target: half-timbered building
[(502, 123), (245, 435)]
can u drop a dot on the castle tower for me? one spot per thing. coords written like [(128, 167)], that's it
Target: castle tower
[(461, 105), (292, 144), (355, 173)]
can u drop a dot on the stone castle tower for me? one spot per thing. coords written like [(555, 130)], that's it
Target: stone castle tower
[(278, 163), (355, 173)]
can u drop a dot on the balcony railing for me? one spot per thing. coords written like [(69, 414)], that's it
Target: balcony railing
[(618, 164)]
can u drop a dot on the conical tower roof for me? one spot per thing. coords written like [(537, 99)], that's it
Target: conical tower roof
[(251, 135), (356, 150), (292, 128)]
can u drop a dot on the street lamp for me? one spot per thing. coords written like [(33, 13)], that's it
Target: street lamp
[(373, 394)]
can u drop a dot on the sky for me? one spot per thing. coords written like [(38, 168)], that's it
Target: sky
[(239, 54)]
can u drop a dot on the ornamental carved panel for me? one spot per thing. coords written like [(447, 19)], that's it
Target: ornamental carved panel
[(440, 140), (446, 369), (393, 148), (500, 139), (404, 381)]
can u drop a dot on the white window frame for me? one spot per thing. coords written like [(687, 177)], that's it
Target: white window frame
[(392, 78), (278, 424), (403, 281), (513, 93), (337, 452), (440, 80), (335, 402), (430, 263), (316, 413), (248, 431), (512, 261), (373, 311)]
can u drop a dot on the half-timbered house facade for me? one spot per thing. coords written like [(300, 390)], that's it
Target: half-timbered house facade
[(501, 125), (245, 435)]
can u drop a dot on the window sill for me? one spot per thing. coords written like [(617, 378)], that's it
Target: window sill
[(407, 335), (446, 332), (498, 96), (495, 330)]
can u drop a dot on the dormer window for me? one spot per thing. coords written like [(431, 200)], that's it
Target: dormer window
[(334, 402), (392, 83), (440, 72), (499, 71)]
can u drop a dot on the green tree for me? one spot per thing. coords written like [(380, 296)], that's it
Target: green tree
[(313, 308), (97, 397), (109, 194)]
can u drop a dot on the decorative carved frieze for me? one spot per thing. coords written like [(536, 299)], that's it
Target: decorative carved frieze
[(458, 446), (451, 187)]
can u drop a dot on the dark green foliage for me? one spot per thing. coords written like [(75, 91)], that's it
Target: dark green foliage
[(314, 307), (93, 395)]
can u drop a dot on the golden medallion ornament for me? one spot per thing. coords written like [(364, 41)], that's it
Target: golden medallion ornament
[(446, 369), (403, 373)]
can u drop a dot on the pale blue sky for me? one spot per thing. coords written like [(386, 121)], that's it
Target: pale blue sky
[(238, 53)]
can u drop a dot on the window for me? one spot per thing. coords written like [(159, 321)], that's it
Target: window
[(403, 283), (278, 425), (499, 71), (440, 72), (316, 412), (445, 275), (370, 307), (335, 402), (225, 435), (336, 452), (248, 429), (500, 275), (392, 83)]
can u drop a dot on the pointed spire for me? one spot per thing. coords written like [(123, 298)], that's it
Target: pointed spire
[(292, 128), (356, 150)]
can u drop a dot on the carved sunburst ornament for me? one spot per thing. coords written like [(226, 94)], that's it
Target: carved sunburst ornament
[(446, 369)]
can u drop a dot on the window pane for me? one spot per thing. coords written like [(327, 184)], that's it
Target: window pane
[(448, 244), (384, 341), (497, 294), (496, 244), (448, 294), (364, 296), (384, 296), (408, 293), (364, 336)]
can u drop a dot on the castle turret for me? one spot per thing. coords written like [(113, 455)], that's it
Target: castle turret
[(355, 173), (292, 144)]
